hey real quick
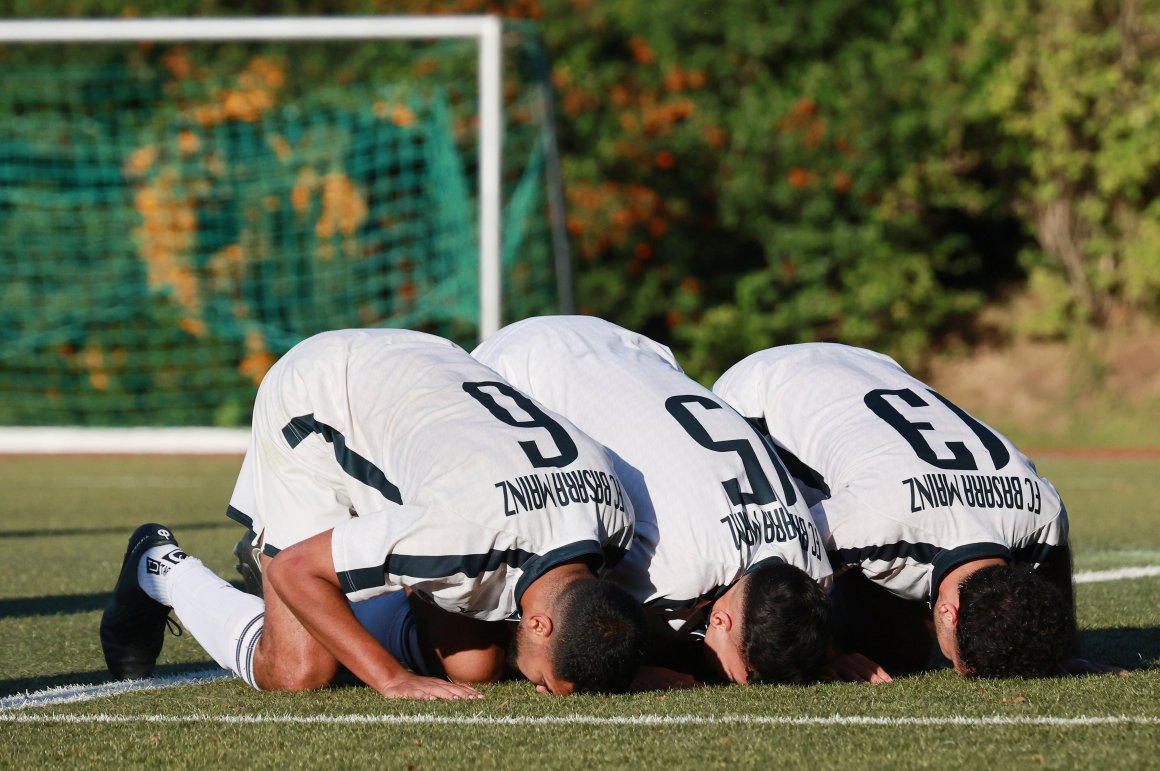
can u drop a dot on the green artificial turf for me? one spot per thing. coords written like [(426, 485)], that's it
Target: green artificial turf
[(63, 527)]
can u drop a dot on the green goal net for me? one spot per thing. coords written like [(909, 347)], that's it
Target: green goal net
[(174, 216)]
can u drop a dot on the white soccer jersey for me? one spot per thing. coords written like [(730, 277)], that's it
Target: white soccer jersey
[(916, 485), (712, 502), (462, 488)]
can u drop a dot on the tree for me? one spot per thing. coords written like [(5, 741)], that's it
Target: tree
[(1073, 88)]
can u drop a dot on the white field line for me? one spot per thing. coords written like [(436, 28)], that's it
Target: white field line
[(1097, 576), (35, 440), (157, 481), (68, 694), (633, 720)]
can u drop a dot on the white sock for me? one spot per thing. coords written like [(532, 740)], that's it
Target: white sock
[(225, 621), (153, 569)]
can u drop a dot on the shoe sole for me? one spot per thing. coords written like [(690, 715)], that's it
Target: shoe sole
[(249, 564)]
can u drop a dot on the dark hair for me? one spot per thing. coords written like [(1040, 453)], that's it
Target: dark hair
[(1012, 623), (785, 632), (601, 637)]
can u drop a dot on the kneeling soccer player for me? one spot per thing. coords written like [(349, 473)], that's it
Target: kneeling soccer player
[(725, 549), (934, 522), (378, 462)]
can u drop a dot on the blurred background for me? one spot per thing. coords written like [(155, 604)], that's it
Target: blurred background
[(970, 187)]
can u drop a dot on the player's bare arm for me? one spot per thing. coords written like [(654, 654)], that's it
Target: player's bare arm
[(468, 651), (304, 577), (855, 668), (650, 678)]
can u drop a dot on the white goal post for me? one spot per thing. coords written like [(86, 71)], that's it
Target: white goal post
[(486, 30)]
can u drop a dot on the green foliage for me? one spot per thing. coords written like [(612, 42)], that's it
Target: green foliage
[(745, 174), (867, 173), (1069, 95), (773, 174)]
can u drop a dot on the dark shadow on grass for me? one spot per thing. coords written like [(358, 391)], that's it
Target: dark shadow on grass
[(1127, 647), (33, 684), (121, 530), (24, 607)]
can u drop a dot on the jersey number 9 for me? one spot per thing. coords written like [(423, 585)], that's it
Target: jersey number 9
[(537, 418)]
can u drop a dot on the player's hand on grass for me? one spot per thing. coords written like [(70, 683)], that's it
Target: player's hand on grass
[(662, 679), (411, 686), (855, 668), (1078, 666)]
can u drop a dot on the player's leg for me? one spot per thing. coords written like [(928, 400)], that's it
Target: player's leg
[(158, 575), (286, 657), (225, 621), (229, 624), (893, 632), (286, 492), (133, 623), (263, 643), (387, 617)]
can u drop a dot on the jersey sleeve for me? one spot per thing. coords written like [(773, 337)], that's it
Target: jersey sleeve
[(362, 548), (464, 566), (1040, 548), (453, 563)]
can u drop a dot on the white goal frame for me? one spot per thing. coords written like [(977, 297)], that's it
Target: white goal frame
[(485, 30)]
